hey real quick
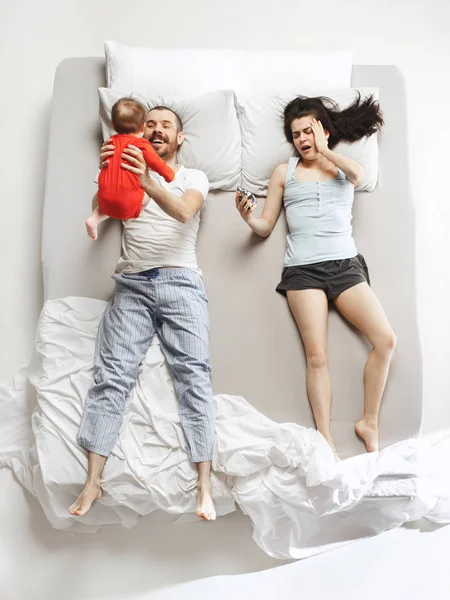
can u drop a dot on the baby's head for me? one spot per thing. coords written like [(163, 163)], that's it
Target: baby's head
[(128, 116)]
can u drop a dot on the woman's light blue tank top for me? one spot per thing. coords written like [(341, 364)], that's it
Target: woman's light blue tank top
[(319, 217)]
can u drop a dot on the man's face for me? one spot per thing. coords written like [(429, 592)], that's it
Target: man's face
[(162, 133)]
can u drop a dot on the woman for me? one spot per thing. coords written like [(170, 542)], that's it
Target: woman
[(321, 261)]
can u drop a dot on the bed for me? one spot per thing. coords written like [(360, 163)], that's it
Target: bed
[(256, 350), (269, 461)]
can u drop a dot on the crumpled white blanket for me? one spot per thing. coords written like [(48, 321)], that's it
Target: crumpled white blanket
[(283, 476)]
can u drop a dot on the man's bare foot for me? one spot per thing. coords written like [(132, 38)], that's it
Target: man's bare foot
[(368, 432), (205, 503), (91, 228), (88, 496)]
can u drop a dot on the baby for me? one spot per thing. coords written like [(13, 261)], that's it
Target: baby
[(120, 195)]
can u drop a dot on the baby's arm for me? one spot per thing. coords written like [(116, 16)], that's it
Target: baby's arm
[(156, 163)]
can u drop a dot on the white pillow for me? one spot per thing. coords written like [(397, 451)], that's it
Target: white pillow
[(264, 145), (188, 72), (213, 139)]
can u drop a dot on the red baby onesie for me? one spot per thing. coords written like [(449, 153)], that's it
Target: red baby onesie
[(120, 194)]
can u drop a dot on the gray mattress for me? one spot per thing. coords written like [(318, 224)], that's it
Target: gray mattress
[(256, 350)]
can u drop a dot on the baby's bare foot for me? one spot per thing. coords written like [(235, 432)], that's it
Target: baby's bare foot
[(91, 228)]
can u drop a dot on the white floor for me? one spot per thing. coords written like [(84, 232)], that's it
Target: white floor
[(408, 563)]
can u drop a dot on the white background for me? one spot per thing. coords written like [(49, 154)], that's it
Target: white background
[(34, 37)]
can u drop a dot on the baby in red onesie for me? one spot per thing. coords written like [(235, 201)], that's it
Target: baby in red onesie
[(120, 194)]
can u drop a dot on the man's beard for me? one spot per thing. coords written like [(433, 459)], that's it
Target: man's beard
[(166, 152)]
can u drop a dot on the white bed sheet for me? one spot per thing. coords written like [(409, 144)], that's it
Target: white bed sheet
[(283, 476)]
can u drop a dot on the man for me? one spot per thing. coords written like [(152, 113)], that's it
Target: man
[(159, 289)]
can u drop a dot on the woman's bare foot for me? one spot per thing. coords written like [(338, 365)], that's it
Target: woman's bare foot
[(368, 432), (205, 503), (88, 496), (329, 439), (91, 228)]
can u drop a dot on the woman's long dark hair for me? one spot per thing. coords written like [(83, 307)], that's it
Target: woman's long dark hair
[(362, 118)]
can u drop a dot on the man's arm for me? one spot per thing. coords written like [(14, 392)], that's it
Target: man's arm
[(182, 209)]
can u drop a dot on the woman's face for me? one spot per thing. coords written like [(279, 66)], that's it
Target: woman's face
[(303, 137)]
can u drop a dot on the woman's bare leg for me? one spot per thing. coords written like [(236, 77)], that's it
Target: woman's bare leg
[(361, 308), (310, 310)]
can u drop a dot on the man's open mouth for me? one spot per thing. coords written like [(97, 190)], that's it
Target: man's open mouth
[(158, 140)]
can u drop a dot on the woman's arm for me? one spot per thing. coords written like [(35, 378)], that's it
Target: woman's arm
[(351, 169), (263, 225)]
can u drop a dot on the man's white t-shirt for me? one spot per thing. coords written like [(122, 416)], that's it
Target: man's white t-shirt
[(155, 239)]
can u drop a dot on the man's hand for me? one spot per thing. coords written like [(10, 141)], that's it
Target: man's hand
[(319, 136), (136, 164), (106, 151)]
